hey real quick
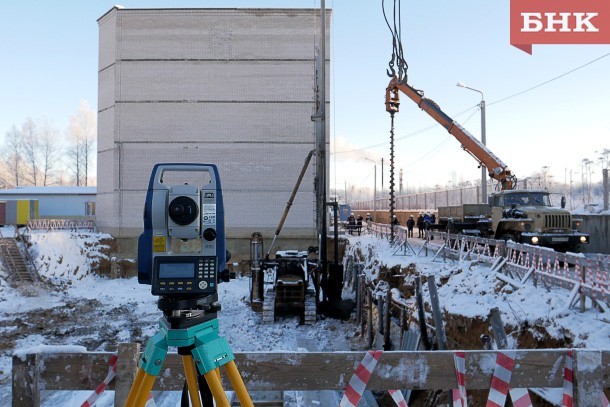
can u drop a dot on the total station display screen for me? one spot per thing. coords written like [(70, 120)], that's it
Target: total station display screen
[(176, 270)]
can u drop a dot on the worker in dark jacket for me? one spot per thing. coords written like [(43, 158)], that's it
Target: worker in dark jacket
[(420, 225), (351, 224), (359, 224), (410, 225)]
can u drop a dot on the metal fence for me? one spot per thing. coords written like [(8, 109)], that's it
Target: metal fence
[(432, 200)]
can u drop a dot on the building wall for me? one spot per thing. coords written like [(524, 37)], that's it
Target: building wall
[(232, 87), (57, 206)]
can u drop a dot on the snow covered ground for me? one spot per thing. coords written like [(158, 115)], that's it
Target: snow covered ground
[(81, 309), (77, 308), (471, 291)]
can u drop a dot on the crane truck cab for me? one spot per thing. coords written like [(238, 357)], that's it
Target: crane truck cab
[(523, 216), (526, 216)]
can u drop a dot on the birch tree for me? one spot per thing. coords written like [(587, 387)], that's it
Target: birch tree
[(29, 146), (48, 152), (13, 156), (82, 136)]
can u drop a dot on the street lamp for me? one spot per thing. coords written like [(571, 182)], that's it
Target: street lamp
[(374, 185), (483, 140)]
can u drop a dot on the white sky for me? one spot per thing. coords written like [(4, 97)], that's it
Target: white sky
[(50, 64)]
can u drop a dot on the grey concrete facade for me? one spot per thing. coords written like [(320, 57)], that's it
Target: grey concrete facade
[(232, 87)]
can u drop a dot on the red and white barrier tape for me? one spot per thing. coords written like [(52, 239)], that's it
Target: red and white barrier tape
[(398, 398), (505, 362), (568, 382), (102, 386), (360, 378), (357, 384), (459, 394)]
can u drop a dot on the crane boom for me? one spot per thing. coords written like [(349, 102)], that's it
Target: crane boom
[(495, 167)]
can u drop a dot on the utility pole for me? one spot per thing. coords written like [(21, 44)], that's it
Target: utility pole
[(374, 184), (400, 183), (382, 176), (605, 181), (483, 141), (320, 119)]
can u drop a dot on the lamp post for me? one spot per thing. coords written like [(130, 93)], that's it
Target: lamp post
[(374, 185), (483, 140)]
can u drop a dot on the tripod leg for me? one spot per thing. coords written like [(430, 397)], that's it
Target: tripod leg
[(204, 390), (135, 388), (144, 391), (191, 379), (238, 384), (213, 381)]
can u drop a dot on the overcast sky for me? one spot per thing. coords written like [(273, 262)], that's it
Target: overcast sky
[(49, 64)]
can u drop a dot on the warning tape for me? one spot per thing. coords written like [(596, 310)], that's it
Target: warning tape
[(505, 362), (568, 382), (357, 384), (102, 386), (459, 394)]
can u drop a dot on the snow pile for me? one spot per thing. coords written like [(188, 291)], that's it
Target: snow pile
[(472, 290), (62, 257)]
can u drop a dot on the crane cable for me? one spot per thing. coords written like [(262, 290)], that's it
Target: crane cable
[(397, 59)]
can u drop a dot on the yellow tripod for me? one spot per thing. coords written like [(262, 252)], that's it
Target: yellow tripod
[(202, 350)]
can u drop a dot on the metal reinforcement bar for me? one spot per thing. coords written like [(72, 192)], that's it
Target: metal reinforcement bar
[(266, 371)]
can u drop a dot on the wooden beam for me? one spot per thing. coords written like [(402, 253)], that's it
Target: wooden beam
[(127, 366), (26, 381), (588, 373), (322, 370)]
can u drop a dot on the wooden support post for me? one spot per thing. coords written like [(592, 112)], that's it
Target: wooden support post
[(387, 343), (404, 324), (421, 314), (498, 328), (369, 325), (380, 313), (126, 368), (441, 337), (359, 285), (588, 377), (583, 298), (26, 379)]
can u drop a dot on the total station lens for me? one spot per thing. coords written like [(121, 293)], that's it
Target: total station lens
[(183, 210)]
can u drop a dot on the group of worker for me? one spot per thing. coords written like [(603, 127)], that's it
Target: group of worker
[(424, 220), (355, 223)]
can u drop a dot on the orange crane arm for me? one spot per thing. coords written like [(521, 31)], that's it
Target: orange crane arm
[(495, 167)]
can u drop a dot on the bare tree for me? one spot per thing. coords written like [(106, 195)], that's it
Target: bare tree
[(82, 135), (13, 156), (29, 146), (49, 152), (604, 158)]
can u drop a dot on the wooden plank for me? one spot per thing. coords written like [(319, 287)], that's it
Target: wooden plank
[(26, 381), (71, 371), (588, 378), (127, 366), (264, 371)]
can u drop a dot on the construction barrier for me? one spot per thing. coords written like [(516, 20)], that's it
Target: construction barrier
[(268, 371), (61, 224)]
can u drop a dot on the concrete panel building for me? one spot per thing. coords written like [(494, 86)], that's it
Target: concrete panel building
[(232, 87)]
